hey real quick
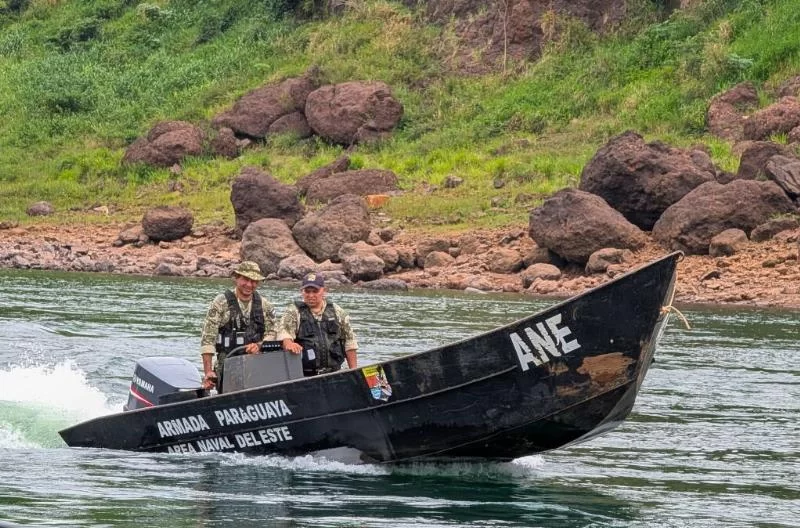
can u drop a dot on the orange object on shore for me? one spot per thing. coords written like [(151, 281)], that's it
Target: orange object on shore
[(374, 201)]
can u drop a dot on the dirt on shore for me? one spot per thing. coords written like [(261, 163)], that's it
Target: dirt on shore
[(765, 274)]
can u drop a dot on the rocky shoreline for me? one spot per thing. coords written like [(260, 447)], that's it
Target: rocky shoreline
[(764, 274)]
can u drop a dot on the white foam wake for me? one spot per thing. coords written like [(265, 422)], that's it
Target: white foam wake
[(61, 386)]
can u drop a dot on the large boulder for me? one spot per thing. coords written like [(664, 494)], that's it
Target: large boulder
[(268, 242), (794, 136), (360, 182), (690, 224), (322, 233), (353, 112), (772, 227), (727, 243), (504, 260), (728, 111), (640, 180), (167, 223), (167, 143), (40, 209), (256, 111), (778, 118), (294, 124), (225, 144), (256, 194), (790, 87), (360, 262), (754, 158), (340, 164), (429, 245), (602, 259), (296, 266), (574, 224), (785, 171)]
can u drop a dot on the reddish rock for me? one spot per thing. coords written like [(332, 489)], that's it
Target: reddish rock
[(437, 259), (574, 224), (294, 124), (754, 158), (690, 224), (540, 271), (322, 233), (600, 260), (268, 242), (255, 112), (362, 182), (785, 171), (256, 195), (727, 111), (351, 111), (340, 164), (727, 243), (225, 143), (167, 223), (167, 143), (640, 180), (778, 118), (40, 209), (772, 227)]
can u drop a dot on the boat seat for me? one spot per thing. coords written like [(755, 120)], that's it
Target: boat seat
[(256, 370)]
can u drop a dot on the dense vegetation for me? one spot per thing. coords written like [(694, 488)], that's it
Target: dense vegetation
[(82, 79)]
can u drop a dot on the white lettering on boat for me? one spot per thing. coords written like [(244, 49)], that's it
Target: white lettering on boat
[(182, 448), (263, 437), (257, 438), (143, 384), (207, 445), (220, 443), (252, 413), (548, 340), (182, 426)]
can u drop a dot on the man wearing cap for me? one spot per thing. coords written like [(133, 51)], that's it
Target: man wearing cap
[(235, 318), (318, 330)]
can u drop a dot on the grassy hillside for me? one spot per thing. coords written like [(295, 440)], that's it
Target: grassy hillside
[(81, 79)]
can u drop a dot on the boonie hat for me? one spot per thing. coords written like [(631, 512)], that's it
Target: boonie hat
[(313, 279), (249, 269)]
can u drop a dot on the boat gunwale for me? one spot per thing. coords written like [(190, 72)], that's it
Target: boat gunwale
[(220, 398)]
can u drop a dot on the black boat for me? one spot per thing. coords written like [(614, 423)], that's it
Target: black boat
[(564, 375)]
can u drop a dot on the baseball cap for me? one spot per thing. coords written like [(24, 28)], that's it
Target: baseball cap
[(314, 280), (249, 269)]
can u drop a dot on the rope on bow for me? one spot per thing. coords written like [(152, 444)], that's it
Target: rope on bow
[(670, 308)]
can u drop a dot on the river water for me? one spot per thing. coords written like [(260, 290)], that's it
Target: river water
[(713, 440)]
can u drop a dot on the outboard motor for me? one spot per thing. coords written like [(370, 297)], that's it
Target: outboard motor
[(159, 380)]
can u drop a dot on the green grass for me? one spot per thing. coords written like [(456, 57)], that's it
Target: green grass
[(81, 80)]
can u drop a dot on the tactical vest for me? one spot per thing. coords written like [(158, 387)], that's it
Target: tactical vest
[(321, 339), (240, 330)]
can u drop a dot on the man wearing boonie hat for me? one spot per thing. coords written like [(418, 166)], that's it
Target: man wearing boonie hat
[(236, 318), (318, 330)]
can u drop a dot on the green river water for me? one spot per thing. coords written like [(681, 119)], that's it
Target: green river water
[(713, 440)]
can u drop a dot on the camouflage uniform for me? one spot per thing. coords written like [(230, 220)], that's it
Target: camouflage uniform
[(290, 323), (219, 314)]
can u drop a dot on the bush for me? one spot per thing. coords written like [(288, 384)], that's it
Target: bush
[(83, 30), (14, 6)]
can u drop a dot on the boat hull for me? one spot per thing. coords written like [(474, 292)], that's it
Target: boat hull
[(563, 375)]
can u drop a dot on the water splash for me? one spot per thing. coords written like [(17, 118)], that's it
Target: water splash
[(309, 463), (340, 462), (38, 400), (10, 438)]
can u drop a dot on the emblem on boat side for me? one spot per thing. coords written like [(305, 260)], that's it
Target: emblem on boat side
[(377, 382)]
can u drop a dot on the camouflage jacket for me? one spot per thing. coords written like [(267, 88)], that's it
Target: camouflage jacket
[(289, 324), (219, 314)]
